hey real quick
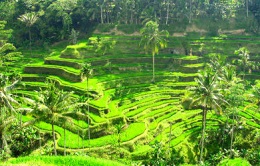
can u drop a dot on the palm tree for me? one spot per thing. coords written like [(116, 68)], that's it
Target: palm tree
[(207, 95), (6, 98), (80, 113), (104, 45), (244, 62), (8, 111), (229, 76), (235, 97), (29, 19), (65, 120), (256, 94), (86, 72), (52, 105), (6, 120), (153, 40)]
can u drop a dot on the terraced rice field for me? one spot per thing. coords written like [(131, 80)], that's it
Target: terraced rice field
[(121, 92)]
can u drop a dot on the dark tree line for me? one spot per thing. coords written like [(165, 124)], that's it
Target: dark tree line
[(56, 18)]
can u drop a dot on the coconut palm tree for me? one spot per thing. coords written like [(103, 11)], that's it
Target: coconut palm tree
[(86, 72), (256, 94), (244, 61), (80, 113), (6, 120), (65, 121), (235, 97), (29, 19), (7, 108), (6, 98), (153, 40), (207, 95), (52, 105)]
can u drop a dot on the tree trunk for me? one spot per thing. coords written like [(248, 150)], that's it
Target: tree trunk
[(244, 74), (167, 12), (30, 38), (78, 135), (54, 139), (101, 14), (88, 115), (170, 139), (126, 14), (190, 13), (232, 134), (82, 138), (246, 8), (107, 16), (64, 141), (153, 80), (40, 140), (203, 134)]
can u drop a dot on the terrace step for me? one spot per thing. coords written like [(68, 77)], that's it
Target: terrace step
[(135, 59), (140, 111), (73, 76), (156, 113), (175, 85), (144, 102), (33, 77), (63, 62)]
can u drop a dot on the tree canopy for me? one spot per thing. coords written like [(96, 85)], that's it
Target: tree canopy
[(58, 17)]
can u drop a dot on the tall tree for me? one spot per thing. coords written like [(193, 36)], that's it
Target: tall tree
[(234, 95), (86, 72), (29, 19), (62, 11), (52, 105), (244, 61), (81, 114), (7, 50), (65, 121), (208, 95), (8, 110), (153, 40), (255, 96)]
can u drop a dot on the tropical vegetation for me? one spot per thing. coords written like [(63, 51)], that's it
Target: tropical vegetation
[(166, 82)]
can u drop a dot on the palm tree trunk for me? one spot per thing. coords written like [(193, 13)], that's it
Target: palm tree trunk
[(203, 133), (101, 14), (88, 115), (167, 12), (54, 139), (232, 134), (64, 141), (82, 132), (244, 74), (40, 140), (78, 134), (246, 8), (30, 38), (190, 13), (170, 136), (153, 80)]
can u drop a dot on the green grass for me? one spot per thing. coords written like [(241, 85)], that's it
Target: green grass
[(60, 161)]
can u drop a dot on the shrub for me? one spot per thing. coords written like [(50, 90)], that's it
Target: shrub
[(234, 162), (70, 52)]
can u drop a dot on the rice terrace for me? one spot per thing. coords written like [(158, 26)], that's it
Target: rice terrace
[(128, 82)]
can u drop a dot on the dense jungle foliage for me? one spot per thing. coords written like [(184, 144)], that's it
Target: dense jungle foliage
[(56, 18)]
